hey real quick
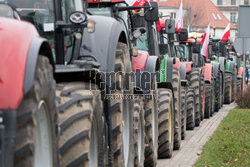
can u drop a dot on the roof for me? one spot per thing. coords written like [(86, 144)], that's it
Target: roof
[(203, 12)]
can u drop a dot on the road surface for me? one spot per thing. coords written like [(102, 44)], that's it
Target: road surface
[(191, 147)]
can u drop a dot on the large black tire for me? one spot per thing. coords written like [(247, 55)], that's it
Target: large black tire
[(234, 87), (207, 100), (81, 125), (239, 83), (212, 97), (30, 117), (139, 132), (202, 96), (223, 89), (183, 112), (218, 92), (190, 109), (151, 122), (177, 111), (122, 109), (228, 88), (166, 123), (195, 84)]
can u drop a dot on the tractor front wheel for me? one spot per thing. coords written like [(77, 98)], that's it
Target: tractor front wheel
[(36, 136)]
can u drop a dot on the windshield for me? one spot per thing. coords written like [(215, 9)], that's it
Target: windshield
[(41, 14)]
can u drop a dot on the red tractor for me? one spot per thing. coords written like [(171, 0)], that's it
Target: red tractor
[(52, 110)]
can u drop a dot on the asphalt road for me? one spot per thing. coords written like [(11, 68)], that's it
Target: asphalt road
[(191, 147)]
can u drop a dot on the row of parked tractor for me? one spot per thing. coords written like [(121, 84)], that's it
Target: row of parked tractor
[(101, 83)]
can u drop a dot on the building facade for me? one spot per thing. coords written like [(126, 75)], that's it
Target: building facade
[(230, 8), (201, 13)]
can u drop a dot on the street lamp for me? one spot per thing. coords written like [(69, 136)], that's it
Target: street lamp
[(214, 30)]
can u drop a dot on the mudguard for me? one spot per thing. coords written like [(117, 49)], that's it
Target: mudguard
[(103, 42), (183, 70), (177, 63), (216, 69), (15, 41), (208, 72), (222, 64), (165, 73), (139, 62), (144, 78), (230, 66), (38, 46)]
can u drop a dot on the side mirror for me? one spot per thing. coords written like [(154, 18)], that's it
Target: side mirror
[(151, 11), (163, 49), (170, 26)]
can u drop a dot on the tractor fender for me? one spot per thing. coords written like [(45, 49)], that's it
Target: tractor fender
[(183, 70), (102, 43), (216, 69), (170, 63), (189, 66), (177, 63), (222, 64), (208, 72), (15, 42), (145, 78), (140, 61), (38, 46), (231, 67)]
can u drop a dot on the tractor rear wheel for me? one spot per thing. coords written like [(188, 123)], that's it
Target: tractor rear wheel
[(218, 92), (166, 123), (234, 86), (195, 84), (183, 112), (190, 109), (122, 109), (212, 97), (81, 125), (202, 97), (36, 131), (139, 132), (207, 100), (151, 123), (177, 110), (228, 88)]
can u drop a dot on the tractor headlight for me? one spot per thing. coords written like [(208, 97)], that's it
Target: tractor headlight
[(77, 17)]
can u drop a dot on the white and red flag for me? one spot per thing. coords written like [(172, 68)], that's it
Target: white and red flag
[(205, 43), (226, 34), (179, 19), (136, 2)]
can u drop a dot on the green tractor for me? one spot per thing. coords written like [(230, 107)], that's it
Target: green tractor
[(226, 66)]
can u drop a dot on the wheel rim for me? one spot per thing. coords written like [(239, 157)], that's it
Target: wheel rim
[(93, 145), (126, 132), (43, 138)]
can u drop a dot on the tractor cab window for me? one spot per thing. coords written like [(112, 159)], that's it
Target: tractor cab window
[(142, 43), (69, 6)]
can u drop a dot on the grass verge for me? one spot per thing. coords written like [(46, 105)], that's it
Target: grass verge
[(230, 143)]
